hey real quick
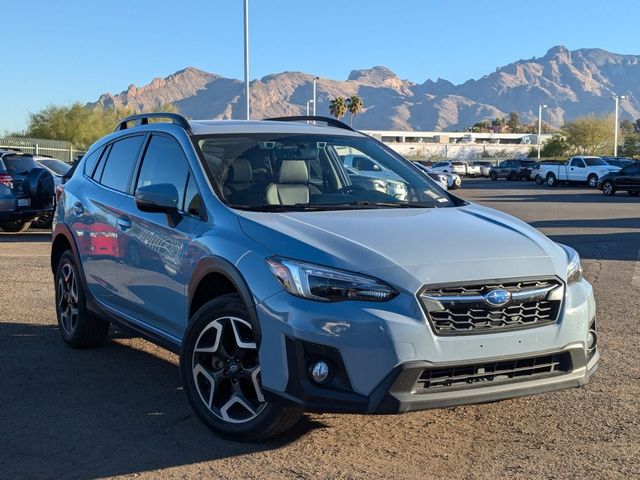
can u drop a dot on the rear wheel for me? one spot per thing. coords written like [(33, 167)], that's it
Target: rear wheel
[(15, 226), (592, 181), (551, 180), (44, 221), (634, 193), (77, 326), (539, 180), (608, 189), (494, 176), (221, 375)]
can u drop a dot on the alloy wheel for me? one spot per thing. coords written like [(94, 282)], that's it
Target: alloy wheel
[(226, 370), (68, 300), (593, 181), (607, 188)]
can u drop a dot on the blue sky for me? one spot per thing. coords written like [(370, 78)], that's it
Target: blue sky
[(64, 51)]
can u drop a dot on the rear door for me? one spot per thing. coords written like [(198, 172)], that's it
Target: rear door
[(154, 270), (93, 212)]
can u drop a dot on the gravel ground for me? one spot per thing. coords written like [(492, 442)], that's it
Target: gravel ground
[(120, 411)]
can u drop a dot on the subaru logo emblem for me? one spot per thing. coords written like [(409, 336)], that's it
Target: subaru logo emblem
[(497, 298)]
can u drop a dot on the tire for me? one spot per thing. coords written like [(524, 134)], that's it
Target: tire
[(634, 193), (539, 180), (78, 327), (43, 221), (494, 176), (592, 180), (15, 226), (220, 372), (608, 189), (551, 180)]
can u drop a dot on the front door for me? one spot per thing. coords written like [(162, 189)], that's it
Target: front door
[(577, 170), (154, 272)]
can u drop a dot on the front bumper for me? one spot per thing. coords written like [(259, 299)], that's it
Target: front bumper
[(378, 350)]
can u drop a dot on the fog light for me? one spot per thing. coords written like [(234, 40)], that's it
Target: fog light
[(592, 339), (319, 372)]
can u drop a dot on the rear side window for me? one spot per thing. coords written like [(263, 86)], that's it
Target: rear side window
[(18, 165), (121, 162), (91, 161), (164, 162)]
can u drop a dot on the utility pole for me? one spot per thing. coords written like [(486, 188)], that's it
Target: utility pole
[(540, 107), (246, 55), (315, 81), (615, 128)]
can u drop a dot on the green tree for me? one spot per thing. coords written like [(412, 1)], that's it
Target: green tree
[(514, 122), (78, 124), (354, 106), (590, 135), (556, 147), (481, 126), (338, 107)]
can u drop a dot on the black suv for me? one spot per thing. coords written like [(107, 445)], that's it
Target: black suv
[(512, 170), (26, 191), (626, 179)]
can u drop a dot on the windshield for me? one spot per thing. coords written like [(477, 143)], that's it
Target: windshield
[(285, 172), (19, 165), (58, 167), (594, 162)]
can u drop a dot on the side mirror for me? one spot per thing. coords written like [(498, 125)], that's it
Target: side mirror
[(159, 198)]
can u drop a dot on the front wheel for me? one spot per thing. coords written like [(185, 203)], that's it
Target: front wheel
[(15, 226), (592, 181), (494, 176), (608, 189), (221, 374)]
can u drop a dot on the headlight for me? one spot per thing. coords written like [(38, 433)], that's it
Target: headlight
[(326, 284), (574, 267)]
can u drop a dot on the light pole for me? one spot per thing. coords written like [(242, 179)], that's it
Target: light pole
[(615, 128), (308, 102), (246, 54), (540, 107), (315, 80)]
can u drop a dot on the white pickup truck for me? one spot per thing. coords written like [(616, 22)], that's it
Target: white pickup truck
[(578, 169)]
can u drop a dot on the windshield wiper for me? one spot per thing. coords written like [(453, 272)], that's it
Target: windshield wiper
[(305, 207)]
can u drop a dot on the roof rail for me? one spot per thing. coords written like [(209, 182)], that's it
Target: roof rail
[(143, 119), (312, 118)]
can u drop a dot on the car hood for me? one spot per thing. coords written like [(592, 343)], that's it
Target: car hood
[(411, 247)]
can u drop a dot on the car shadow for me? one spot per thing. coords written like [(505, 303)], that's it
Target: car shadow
[(602, 246), (25, 237), (116, 410)]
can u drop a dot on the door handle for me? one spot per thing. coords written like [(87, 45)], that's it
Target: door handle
[(124, 223), (78, 208)]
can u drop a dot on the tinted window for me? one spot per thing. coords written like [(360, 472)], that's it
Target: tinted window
[(192, 198), (121, 162), (595, 162), (18, 165), (632, 170), (164, 162), (56, 165), (91, 161)]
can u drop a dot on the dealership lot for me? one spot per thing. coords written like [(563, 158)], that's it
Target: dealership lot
[(119, 410)]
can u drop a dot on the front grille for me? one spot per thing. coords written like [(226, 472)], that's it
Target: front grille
[(463, 309), (490, 373)]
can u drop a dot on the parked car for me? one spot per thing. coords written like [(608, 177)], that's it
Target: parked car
[(580, 169), (367, 167), (618, 161), (473, 170), (512, 170), (58, 170), (451, 181), (450, 167), (626, 179), (26, 191), (484, 166), (291, 289)]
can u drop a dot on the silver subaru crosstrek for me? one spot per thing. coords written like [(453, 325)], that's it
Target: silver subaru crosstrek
[(245, 247)]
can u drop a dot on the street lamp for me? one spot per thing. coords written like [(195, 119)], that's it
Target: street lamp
[(246, 54), (315, 80), (540, 107), (308, 102), (615, 128)]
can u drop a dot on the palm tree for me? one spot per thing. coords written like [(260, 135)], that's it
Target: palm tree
[(354, 105), (338, 107)]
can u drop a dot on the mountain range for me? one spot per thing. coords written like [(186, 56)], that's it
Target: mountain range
[(570, 83)]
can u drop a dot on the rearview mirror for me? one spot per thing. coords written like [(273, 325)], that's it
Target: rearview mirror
[(161, 197)]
